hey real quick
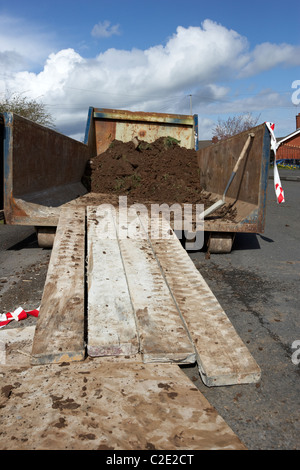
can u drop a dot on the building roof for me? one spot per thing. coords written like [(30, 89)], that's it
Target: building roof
[(290, 136)]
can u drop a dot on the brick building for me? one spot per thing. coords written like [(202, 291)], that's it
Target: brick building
[(288, 147)]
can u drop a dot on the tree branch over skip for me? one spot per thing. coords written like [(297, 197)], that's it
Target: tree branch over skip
[(32, 109), (234, 125)]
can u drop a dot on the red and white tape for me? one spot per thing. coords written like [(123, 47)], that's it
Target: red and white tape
[(17, 315), (277, 183)]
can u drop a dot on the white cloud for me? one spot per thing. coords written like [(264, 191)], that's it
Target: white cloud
[(265, 99), (197, 60), (104, 29), (267, 56)]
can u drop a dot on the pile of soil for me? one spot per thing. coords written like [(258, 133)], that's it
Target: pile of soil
[(161, 171), (158, 172)]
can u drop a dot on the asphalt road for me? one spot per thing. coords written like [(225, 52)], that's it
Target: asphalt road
[(257, 285)]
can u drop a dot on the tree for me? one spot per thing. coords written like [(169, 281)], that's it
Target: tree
[(26, 107), (233, 125)]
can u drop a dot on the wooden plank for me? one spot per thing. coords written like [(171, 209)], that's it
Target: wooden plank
[(59, 334), (100, 405), (163, 337), (111, 320), (222, 357)]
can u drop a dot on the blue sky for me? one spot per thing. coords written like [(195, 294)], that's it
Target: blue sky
[(232, 57)]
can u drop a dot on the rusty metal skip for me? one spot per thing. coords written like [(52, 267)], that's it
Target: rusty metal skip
[(222, 201)]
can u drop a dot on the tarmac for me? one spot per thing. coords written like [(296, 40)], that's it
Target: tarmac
[(286, 175)]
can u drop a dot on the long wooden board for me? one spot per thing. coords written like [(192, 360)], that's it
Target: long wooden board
[(222, 357), (111, 321), (163, 336), (59, 334)]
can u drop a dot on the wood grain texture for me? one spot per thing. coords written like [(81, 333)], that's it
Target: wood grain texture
[(222, 357), (111, 321), (59, 332), (163, 336)]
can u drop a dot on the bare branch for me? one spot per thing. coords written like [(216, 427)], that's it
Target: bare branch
[(26, 107), (234, 125)]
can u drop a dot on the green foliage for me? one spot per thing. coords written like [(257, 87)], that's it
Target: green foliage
[(27, 108), (126, 182), (119, 184), (170, 142)]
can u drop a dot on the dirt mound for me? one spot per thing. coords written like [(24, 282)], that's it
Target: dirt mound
[(158, 172), (161, 171)]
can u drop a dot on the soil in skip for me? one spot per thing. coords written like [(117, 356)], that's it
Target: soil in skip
[(158, 172)]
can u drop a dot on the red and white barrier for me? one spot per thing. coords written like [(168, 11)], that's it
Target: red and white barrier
[(277, 183), (17, 315)]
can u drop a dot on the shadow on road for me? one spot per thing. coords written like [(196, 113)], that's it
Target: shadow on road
[(28, 242), (249, 241)]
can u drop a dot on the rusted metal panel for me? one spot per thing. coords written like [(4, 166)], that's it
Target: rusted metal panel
[(41, 166), (248, 191), (151, 132), (110, 124), (105, 133), (7, 165), (48, 158)]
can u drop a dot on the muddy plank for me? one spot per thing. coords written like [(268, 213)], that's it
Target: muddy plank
[(59, 334), (111, 321), (163, 336), (222, 357), (124, 406)]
